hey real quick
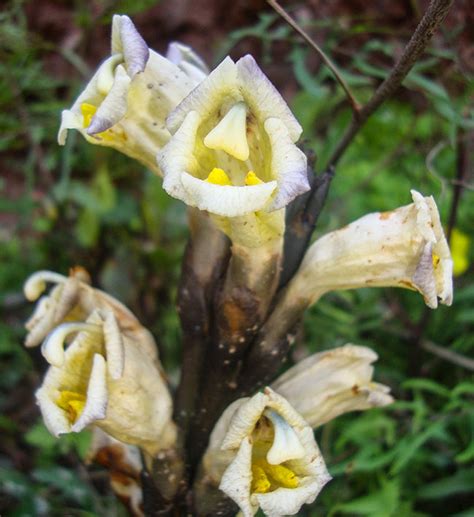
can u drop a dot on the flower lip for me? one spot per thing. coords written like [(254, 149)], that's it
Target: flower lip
[(230, 201)]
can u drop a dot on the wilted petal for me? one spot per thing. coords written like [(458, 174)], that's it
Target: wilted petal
[(124, 465), (328, 384)]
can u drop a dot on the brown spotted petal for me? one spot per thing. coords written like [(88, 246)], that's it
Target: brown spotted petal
[(402, 248)]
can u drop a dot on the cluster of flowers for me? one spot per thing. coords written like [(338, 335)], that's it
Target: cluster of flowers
[(224, 143)]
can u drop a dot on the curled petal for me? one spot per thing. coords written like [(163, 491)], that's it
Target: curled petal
[(113, 342), (36, 283), (289, 164), (226, 201), (53, 346), (264, 98), (126, 40), (97, 396), (114, 106)]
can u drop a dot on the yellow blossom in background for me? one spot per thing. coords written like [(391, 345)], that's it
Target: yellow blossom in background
[(459, 244)]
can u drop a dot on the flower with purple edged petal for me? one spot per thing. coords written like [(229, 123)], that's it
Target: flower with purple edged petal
[(126, 102)]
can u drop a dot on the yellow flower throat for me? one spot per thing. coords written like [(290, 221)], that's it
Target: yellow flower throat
[(72, 403), (267, 477), (219, 177)]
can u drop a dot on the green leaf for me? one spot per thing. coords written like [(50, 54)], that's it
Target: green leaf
[(460, 482)]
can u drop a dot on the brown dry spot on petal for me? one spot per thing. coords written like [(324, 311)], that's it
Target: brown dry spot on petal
[(80, 273), (407, 284), (355, 389), (385, 215), (112, 458)]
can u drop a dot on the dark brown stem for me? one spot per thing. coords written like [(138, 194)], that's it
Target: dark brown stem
[(432, 19), (205, 259), (241, 307), (294, 24), (301, 218)]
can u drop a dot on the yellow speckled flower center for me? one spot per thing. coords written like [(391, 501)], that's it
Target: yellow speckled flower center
[(219, 177), (436, 260), (267, 478), (72, 403)]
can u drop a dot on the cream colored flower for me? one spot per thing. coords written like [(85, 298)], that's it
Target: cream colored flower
[(106, 379), (126, 102), (73, 299), (328, 384), (402, 248), (233, 148), (268, 456)]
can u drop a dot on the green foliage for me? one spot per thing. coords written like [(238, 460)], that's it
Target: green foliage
[(89, 205)]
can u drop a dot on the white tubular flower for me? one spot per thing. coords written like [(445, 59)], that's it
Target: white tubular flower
[(126, 102), (402, 248), (73, 299), (328, 384), (233, 148), (106, 379), (273, 460), (124, 465)]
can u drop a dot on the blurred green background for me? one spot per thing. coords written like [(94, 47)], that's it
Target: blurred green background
[(91, 206)]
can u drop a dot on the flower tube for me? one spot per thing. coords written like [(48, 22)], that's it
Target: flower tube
[(126, 102), (405, 248), (328, 384), (104, 378), (265, 456)]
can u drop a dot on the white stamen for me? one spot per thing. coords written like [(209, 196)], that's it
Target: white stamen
[(53, 346), (286, 445), (230, 134), (36, 283)]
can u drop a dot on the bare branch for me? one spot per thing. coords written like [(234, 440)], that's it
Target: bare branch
[(294, 24), (432, 19), (449, 355)]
